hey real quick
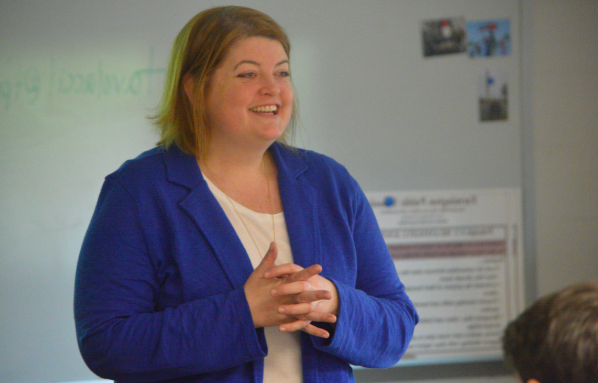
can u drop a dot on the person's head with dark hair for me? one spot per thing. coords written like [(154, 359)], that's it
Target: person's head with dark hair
[(556, 339)]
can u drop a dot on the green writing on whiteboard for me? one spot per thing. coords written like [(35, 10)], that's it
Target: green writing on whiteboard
[(32, 83)]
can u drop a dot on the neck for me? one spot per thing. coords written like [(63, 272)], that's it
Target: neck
[(229, 160), (233, 163), (250, 178), (242, 171)]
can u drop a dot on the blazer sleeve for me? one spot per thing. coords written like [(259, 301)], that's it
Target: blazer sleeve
[(121, 334), (376, 317)]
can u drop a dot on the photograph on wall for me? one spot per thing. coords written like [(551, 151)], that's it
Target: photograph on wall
[(493, 94), (488, 38), (443, 36)]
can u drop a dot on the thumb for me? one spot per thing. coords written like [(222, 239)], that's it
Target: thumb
[(269, 259)]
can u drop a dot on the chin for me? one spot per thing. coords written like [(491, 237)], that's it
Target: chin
[(273, 134)]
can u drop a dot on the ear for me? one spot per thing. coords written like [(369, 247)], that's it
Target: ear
[(189, 85)]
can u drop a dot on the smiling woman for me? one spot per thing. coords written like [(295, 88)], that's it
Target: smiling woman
[(224, 254), (249, 99)]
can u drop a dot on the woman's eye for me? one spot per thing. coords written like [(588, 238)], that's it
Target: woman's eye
[(284, 73), (247, 75)]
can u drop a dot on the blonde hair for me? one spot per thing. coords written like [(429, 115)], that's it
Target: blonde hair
[(198, 50)]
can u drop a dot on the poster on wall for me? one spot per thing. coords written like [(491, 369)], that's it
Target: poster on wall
[(459, 254)]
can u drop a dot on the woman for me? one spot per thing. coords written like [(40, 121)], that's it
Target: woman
[(224, 254)]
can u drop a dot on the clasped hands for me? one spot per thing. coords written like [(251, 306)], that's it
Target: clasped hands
[(290, 297)]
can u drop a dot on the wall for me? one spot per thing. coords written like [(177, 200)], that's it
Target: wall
[(564, 127)]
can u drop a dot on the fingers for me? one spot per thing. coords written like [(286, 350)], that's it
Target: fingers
[(304, 326), (291, 288), (293, 271), (282, 270), (269, 259), (305, 274), (316, 331), (314, 296), (304, 290), (304, 311)]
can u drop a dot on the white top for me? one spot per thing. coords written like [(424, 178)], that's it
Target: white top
[(283, 362)]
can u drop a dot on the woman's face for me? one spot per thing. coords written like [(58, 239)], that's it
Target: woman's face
[(249, 97)]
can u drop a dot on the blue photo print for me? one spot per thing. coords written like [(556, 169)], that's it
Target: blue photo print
[(488, 38)]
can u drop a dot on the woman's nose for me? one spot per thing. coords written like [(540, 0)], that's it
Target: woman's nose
[(269, 86)]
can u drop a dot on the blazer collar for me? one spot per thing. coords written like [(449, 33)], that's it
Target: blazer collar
[(182, 168)]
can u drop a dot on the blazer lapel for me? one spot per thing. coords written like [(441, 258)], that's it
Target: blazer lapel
[(205, 211), (300, 203)]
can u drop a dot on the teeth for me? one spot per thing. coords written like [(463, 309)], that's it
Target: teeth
[(264, 109)]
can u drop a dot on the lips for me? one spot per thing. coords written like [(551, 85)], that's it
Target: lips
[(265, 109)]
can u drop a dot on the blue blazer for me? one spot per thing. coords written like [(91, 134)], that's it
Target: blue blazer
[(159, 286)]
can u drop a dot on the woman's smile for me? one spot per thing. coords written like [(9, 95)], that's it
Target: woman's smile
[(266, 109)]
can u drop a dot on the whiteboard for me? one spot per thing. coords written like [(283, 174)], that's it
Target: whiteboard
[(78, 79)]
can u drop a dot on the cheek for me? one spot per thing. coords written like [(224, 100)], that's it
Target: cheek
[(287, 94), (239, 97)]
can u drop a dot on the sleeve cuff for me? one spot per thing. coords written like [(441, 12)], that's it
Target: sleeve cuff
[(254, 339)]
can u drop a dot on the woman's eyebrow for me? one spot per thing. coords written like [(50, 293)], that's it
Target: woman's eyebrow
[(246, 62), (257, 64)]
